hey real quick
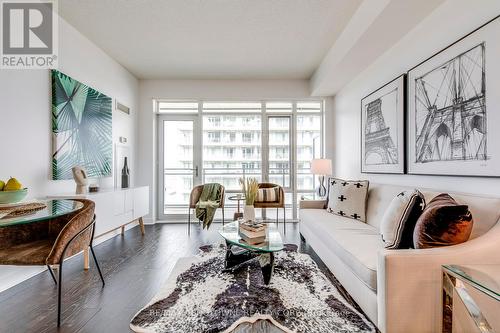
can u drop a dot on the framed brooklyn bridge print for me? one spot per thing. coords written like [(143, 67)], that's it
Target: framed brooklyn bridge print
[(454, 108), (382, 129)]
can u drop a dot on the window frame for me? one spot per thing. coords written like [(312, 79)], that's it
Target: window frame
[(264, 114)]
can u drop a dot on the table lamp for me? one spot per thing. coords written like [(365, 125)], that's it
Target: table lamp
[(321, 167)]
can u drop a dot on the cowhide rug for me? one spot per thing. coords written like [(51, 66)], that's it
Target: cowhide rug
[(199, 297)]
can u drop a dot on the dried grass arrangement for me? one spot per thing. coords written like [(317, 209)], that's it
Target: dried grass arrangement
[(250, 186)]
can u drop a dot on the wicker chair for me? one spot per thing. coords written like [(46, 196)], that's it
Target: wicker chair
[(194, 197), (49, 243), (276, 204)]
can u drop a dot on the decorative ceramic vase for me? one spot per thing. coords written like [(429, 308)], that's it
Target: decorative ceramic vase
[(249, 213), (125, 174)]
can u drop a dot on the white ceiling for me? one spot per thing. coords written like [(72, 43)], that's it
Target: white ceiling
[(213, 39), (376, 26)]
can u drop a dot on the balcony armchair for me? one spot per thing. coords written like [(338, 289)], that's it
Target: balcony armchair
[(280, 203), (194, 197)]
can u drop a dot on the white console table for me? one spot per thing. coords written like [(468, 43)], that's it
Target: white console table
[(114, 209)]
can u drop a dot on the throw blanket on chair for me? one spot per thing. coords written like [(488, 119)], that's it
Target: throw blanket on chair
[(208, 203)]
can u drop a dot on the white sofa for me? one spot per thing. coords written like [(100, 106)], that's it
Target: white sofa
[(399, 290)]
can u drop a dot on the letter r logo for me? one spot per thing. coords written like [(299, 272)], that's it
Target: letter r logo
[(27, 27)]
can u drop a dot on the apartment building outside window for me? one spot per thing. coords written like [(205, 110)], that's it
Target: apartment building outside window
[(214, 137), (246, 137)]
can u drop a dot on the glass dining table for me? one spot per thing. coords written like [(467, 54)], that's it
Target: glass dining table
[(53, 209)]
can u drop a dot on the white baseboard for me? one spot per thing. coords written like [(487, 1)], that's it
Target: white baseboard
[(149, 220)]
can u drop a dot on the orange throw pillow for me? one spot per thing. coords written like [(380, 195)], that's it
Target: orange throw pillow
[(443, 222)]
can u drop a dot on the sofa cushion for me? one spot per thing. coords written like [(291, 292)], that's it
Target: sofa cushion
[(348, 198), (354, 242)]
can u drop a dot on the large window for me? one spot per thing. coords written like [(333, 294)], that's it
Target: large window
[(273, 141)]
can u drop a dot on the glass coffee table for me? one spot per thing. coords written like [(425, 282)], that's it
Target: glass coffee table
[(239, 252)]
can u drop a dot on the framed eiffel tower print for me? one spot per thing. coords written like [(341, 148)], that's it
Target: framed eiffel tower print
[(454, 108), (382, 129)]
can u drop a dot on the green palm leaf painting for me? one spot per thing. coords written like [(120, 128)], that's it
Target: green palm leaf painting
[(81, 128)]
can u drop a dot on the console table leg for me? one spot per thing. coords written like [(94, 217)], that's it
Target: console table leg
[(141, 225), (86, 261)]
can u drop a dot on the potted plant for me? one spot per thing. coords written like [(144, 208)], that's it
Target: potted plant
[(250, 186)]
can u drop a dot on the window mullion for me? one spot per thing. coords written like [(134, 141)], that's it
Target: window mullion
[(293, 164), (265, 144)]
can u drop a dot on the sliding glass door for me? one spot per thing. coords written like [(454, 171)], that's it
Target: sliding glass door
[(179, 163)]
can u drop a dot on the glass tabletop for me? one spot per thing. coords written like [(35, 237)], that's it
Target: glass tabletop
[(273, 241), (484, 277), (55, 208)]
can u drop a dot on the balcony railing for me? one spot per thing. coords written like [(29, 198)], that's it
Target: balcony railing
[(229, 178), (228, 174)]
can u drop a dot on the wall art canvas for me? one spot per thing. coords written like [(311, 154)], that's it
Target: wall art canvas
[(382, 129), (81, 128), (454, 107)]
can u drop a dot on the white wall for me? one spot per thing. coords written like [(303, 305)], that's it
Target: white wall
[(25, 119), (200, 89), (449, 22), (26, 115)]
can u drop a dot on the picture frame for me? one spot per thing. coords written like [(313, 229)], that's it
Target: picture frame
[(383, 128), (451, 116)]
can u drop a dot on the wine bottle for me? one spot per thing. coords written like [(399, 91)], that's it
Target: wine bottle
[(125, 174)]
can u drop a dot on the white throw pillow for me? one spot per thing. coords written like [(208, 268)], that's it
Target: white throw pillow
[(400, 218), (347, 198)]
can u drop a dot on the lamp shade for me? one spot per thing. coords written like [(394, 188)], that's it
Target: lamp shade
[(321, 166)]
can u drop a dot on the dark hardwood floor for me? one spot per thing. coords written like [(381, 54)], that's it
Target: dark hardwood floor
[(134, 267)]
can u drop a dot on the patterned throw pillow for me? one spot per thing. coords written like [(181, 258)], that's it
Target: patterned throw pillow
[(443, 222), (400, 218), (270, 194), (347, 198)]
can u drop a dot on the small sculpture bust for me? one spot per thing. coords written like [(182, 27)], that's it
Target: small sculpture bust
[(80, 178)]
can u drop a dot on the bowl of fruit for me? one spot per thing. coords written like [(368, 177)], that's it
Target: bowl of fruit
[(12, 191)]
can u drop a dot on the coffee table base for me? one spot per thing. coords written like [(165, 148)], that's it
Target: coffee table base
[(266, 261)]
